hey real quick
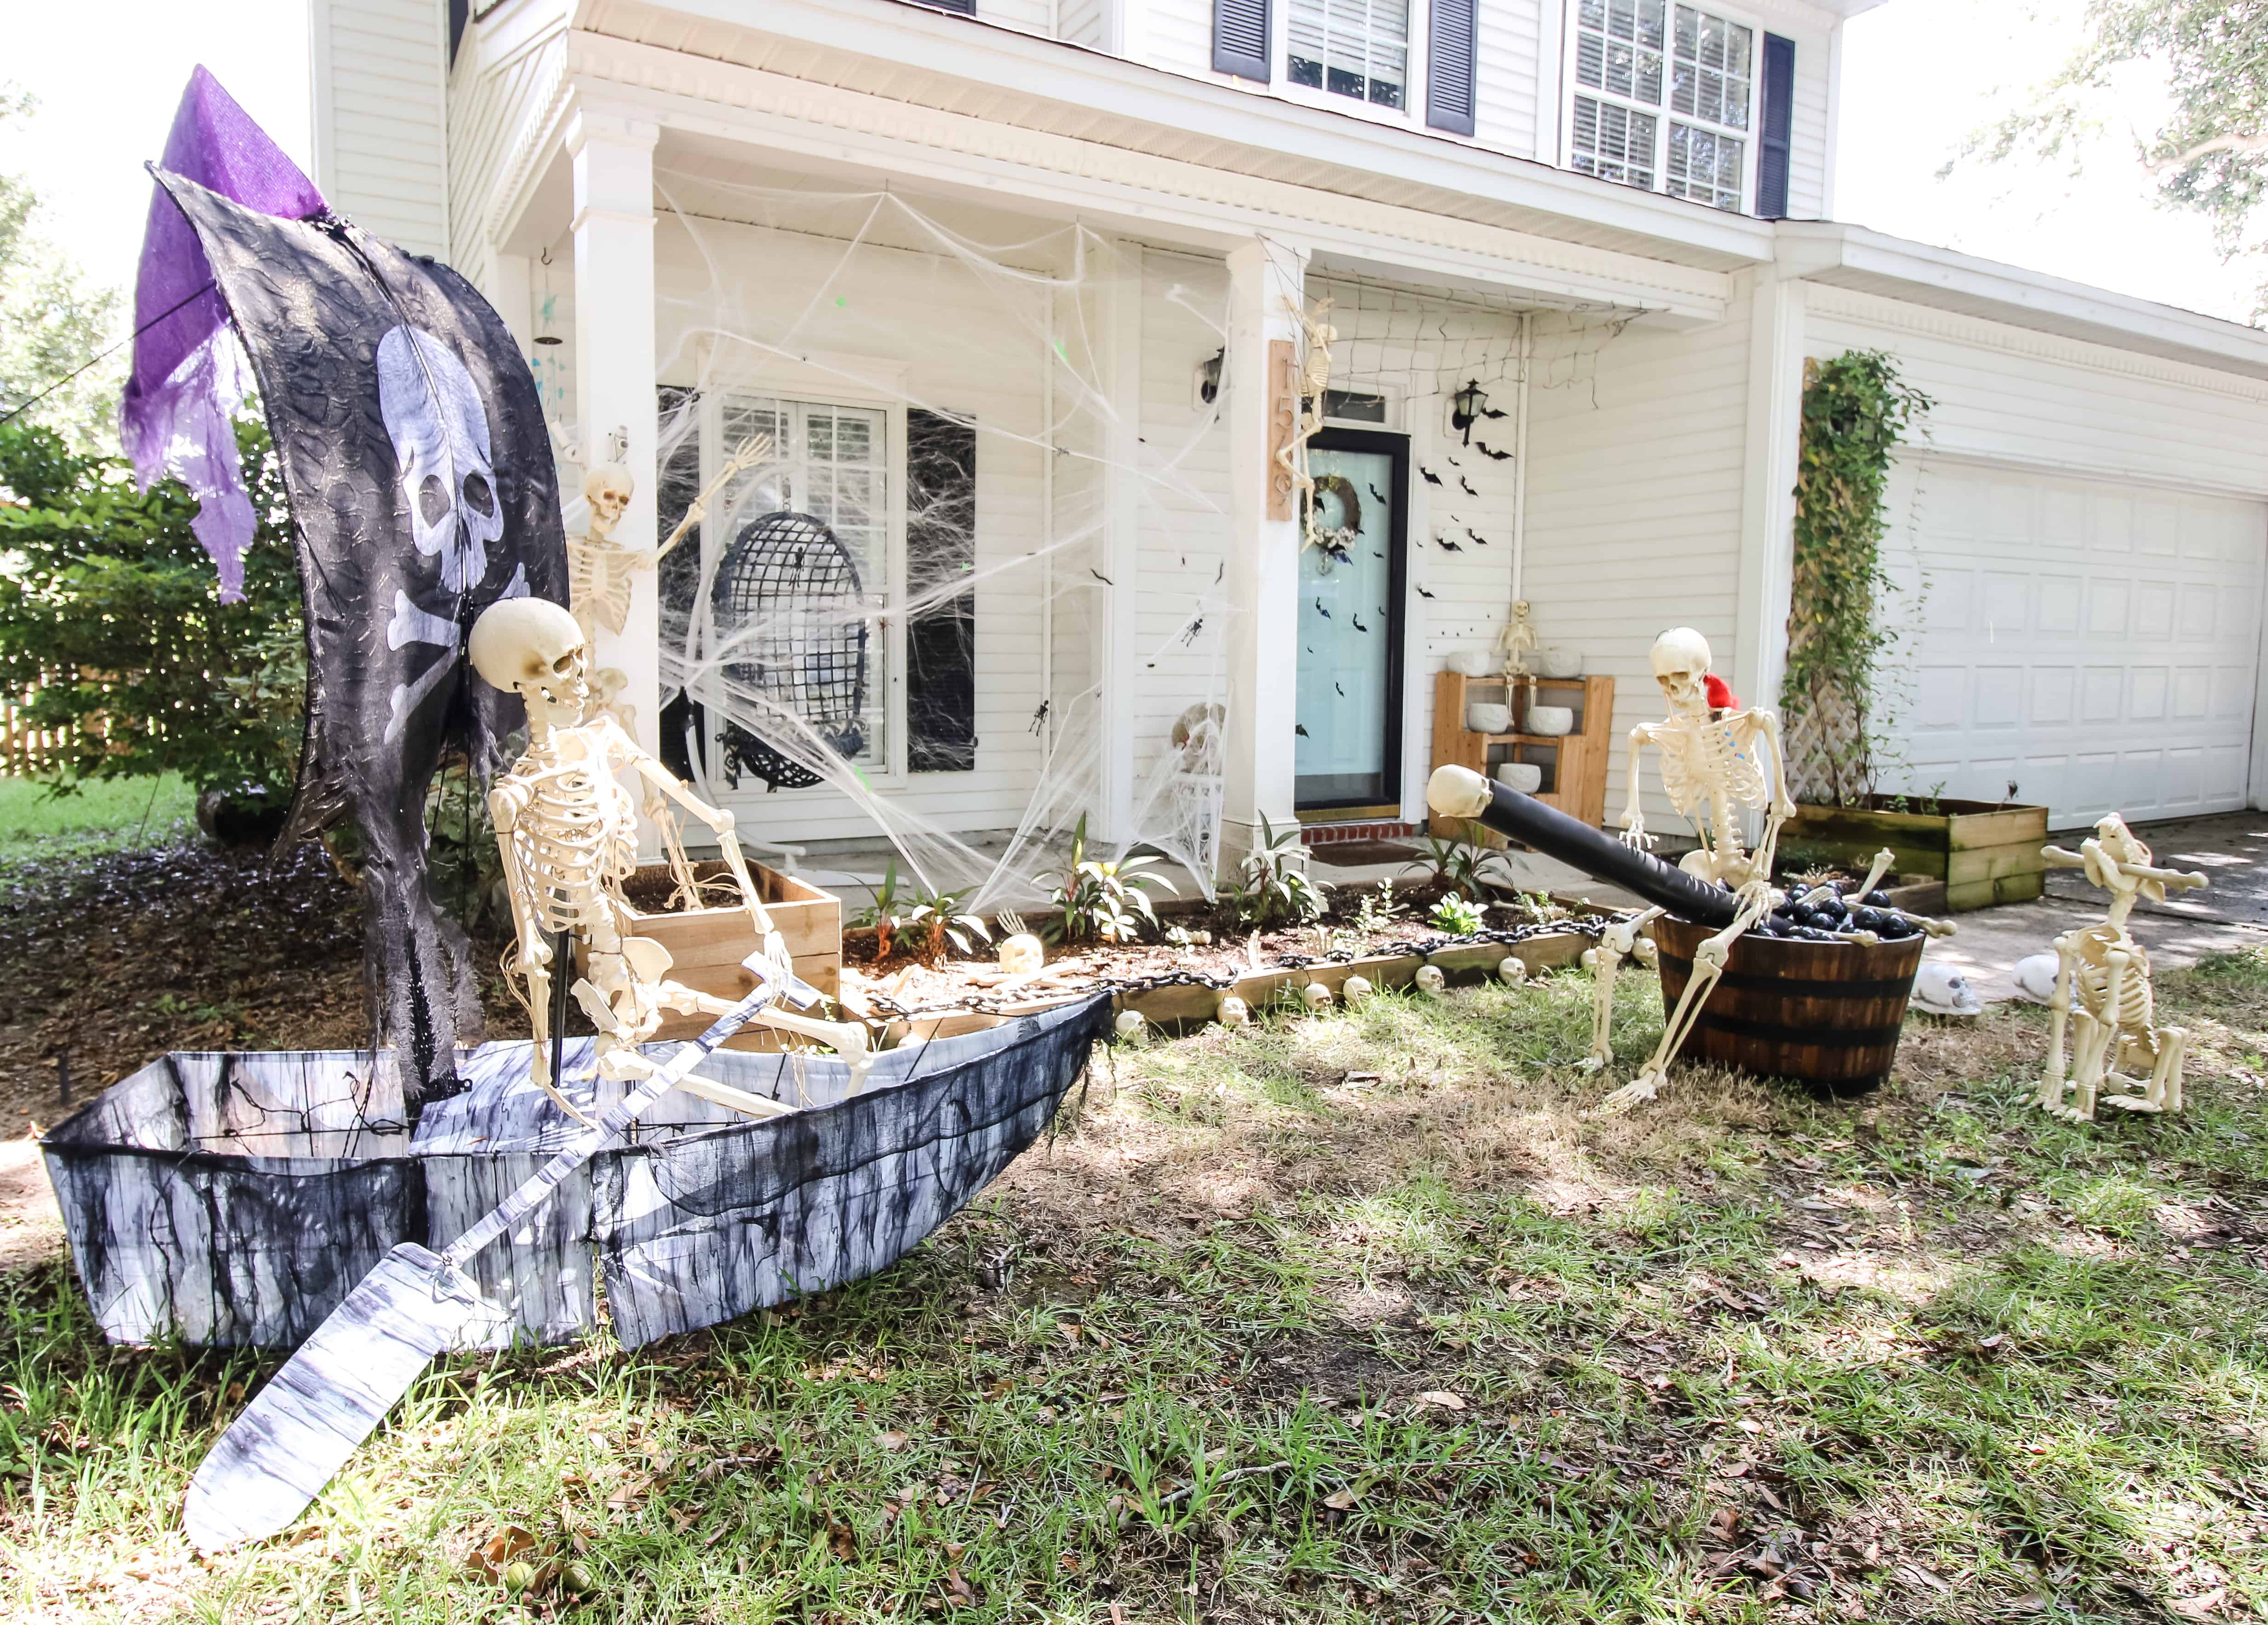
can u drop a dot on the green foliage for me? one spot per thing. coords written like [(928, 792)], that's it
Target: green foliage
[(1377, 911), (2209, 152), (53, 320), (1455, 915), (1461, 867), (1106, 899), (920, 922), (112, 630), (1274, 887), (1856, 410)]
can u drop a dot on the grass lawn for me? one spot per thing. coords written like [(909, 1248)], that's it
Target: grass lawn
[(107, 813), (1348, 1319)]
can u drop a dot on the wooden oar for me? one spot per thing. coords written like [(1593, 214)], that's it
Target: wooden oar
[(316, 1411)]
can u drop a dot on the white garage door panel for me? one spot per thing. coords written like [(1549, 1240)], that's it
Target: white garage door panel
[(2097, 645)]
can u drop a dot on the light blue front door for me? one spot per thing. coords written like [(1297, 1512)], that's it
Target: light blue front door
[(1347, 634)]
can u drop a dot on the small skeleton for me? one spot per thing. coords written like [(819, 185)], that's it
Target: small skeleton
[(1519, 640), (1317, 337), (2103, 987), (567, 832), (1714, 761), (1618, 942)]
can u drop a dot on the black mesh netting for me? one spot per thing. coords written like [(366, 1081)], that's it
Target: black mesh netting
[(235, 1199), (786, 602)]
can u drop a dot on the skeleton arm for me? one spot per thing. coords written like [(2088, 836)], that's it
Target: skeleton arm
[(753, 451), (1633, 821), (1782, 808), (720, 821)]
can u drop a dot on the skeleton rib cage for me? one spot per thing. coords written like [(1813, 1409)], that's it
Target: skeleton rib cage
[(575, 840)]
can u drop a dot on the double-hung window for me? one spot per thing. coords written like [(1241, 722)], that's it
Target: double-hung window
[(1664, 97), (1352, 48)]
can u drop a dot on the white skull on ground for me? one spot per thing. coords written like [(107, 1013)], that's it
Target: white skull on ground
[(439, 429), (534, 648), (1680, 661), (607, 488)]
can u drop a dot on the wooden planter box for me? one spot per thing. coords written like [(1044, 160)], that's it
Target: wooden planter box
[(708, 945), (1985, 853)]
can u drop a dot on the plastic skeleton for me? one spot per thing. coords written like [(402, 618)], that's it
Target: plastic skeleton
[(1317, 337), (567, 832), (2103, 987), (1518, 642), (1618, 942), (1713, 768)]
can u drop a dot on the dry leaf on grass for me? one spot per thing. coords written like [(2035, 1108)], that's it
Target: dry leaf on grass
[(1441, 1399)]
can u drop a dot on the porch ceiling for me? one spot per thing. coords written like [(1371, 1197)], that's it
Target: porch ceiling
[(933, 60)]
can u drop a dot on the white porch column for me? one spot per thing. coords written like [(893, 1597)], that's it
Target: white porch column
[(1775, 426), (1266, 287), (614, 365), (1119, 318)]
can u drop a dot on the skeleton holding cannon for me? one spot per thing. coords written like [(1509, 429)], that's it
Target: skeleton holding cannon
[(2103, 987), (567, 832), (1719, 762)]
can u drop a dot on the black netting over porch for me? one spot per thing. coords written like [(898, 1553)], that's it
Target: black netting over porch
[(785, 604)]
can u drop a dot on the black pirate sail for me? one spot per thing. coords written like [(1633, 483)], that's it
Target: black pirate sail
[(422, 487)]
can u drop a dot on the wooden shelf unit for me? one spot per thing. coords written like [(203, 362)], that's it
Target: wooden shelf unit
[(1574, 765)]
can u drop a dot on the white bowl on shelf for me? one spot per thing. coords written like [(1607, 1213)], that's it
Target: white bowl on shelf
[(1551, 720), (1560, 663), (1524, 776), (1482, 717), (1474, 663)]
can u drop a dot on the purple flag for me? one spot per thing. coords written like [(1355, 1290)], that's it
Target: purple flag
[(180, 398)]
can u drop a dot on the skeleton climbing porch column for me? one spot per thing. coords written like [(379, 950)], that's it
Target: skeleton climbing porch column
[(1266, 286), (615, 369)]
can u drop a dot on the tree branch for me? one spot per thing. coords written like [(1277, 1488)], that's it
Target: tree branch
[(2254, 143)]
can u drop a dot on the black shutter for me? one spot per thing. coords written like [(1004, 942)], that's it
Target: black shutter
[(941, 550), (1240, 38), (1777, 128), (460, 12), (967, 8), (1450, 42)]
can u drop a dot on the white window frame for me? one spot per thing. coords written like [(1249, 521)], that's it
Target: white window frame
[(1412, 110), (819, 384), (1663, 112)]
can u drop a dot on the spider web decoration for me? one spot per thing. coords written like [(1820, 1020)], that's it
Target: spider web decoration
[(794, 587)]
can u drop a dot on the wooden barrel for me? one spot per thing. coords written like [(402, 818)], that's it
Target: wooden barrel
[(1820, 1012)]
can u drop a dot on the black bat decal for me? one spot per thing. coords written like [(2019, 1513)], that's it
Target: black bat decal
[(1341, 691), (1099, 576), (1469, 489), (1450, 546), (1423, 593), (1430, 477), (1375, 494), (1454, 463), (1489, 451), (1320, 610), (1358, 623), (1301, 729), (1476, 535)]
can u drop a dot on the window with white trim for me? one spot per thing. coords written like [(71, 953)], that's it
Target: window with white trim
[(829, 462), (1663, 97), (1352, 48)]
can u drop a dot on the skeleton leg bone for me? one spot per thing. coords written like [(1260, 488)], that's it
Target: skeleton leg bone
[(1708, 964), (2049, 1097)]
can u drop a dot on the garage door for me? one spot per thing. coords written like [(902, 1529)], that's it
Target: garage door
[(2095, 644)]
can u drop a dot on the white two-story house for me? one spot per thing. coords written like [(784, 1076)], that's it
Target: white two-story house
[(1009, 282)]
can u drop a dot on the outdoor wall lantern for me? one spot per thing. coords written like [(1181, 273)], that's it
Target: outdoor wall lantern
[(1209, 377), (1466, 408)]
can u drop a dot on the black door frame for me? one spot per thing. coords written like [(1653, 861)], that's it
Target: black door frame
[(1397, 450)]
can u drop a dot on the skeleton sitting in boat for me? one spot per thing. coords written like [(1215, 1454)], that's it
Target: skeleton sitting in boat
[(1714, 762), (2103, 987), (567, 832)]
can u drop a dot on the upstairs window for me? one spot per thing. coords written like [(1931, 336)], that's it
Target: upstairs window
[(1352, 47), (1664, 97)]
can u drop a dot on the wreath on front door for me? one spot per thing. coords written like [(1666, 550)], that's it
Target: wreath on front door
[(1336, 542)]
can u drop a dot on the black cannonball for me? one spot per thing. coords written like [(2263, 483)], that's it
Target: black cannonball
[(1879, 898), (1831, 908)]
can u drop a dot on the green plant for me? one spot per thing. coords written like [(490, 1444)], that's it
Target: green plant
[(1455, 915), (1275, 888), (920, 922), (1459, 866), (1377, 911), (1103, 898), (1856, 410), (112, 637)]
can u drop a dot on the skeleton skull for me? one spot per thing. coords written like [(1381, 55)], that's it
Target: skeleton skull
[(433, 414), (1130, 1024), (1021, 955), (607, 487), (1316, 996), (1354, 989), (1431, 980), (1233, 1011), (1680, 661), (533, 647)]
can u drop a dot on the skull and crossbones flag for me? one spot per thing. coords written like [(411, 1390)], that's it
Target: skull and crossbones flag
[(420, 476)]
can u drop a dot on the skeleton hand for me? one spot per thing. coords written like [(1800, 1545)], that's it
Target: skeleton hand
[(1634, 833)]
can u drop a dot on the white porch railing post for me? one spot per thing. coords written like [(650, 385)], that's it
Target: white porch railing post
[(1267, 282), (614, 366)]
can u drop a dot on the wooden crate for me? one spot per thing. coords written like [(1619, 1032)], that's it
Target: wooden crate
[(708, 945), (1576, 768), (1985, 853)]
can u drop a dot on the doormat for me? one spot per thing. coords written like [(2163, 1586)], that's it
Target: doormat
[(1358, 854)]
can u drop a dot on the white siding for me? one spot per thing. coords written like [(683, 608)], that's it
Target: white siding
[(1031, 16), (1636, 441), (1178, 35), (1082, 22), (380, 146), (489, 114), (1511, 77)]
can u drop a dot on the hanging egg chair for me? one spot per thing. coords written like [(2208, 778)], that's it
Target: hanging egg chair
[(785, 603)]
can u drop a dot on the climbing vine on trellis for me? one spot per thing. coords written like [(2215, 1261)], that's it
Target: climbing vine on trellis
[(1856, 410)]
